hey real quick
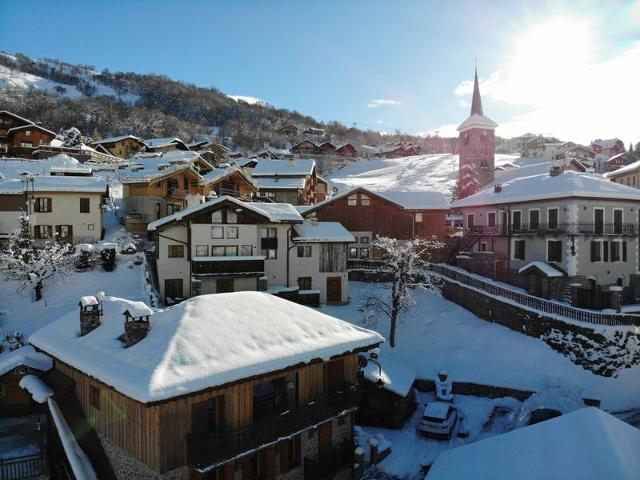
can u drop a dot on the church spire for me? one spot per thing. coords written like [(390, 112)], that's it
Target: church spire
[(476, 102)]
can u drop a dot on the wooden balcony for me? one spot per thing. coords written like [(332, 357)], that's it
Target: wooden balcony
[(227, 265), (355, 264), (178, 193), (216, 449), (329, 465)]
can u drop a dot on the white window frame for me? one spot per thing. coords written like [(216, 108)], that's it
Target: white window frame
[(620, 260), (513, 249), (529, 217), (418, 217), (604, 218), (221, 229), (512, 214), (546, 256), (557, 209), (601, 243)]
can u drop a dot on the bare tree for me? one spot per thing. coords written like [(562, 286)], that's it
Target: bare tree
[(407, 261), (30, 263)]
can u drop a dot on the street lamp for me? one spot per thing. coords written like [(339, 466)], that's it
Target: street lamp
[(373, 358)]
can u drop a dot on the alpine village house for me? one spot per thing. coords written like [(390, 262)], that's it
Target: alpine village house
[(207, 389), (226, 245)]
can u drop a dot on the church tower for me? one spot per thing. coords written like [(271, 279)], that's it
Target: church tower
[(476, 148)]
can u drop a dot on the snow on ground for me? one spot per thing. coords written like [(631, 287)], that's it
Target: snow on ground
[(246, 99), (439, 334), (416, 173)]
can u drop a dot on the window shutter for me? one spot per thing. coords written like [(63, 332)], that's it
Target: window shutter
[(220, 411), (284, 457), (48, 204), (605, 251), (36, 205), (594, 247), (624, 251)]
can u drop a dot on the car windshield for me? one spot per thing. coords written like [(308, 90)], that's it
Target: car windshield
[(432, 419)]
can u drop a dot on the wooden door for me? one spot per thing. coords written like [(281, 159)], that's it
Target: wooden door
[(334, 289), (324, 438), (224, 285)]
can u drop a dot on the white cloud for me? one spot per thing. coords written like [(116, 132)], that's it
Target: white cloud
[(379, 121), (382, 102), (565, 94)]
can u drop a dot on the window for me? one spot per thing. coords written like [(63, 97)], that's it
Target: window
[(43, 231), (364, 239), (482, 247), (534, 219), (418, 217), (232, 232), (516, 220), (519, 250), (232, 217), (599, 251), (364, 200), (176, 251), (598, 220), (217, 251), (269, 242), (352, 200), (554, 251), (304, 251), (85, 205), (353, 252), (91, 226), (216, 216), (274, 397), (231, 251), (304, 283), (364, 253), (217, 232), (471, 221), (94, 397), (617, 221), (618, 251), (42, 204), (552, 218), (27, 133), (334, 376), (202, 250), (491, 219), (172, 208), (185, 181), (64, 231), (246, 250)]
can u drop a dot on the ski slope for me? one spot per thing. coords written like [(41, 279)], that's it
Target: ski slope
[(415, 173)]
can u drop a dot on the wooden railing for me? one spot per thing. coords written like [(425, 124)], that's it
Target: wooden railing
[(208, 451), (330, 464), (28, 466), (537, 303)]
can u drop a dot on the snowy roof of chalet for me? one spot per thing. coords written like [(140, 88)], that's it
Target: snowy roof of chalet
[(587, 444), (314, 232), (7, 112), (161, 142), (397, 377), (294, 167), (219, 173), (188, 349), (477, 120), (544, 186), (286, 183), (25, 356), (547, 269), (149, 168), (608, 143), (617, 156), (626, 169), (83, 170), (117, 139), (274, 212), (405, 200), (42, 183), (29, 127)]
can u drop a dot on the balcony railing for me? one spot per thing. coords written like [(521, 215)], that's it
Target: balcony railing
[(624, 229), (203, 452), (330, 464), (227, 265), (178, 193), (355, 264)]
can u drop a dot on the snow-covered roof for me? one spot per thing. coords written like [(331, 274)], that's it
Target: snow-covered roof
[(397, 377), (544, 186), (588, 444), (608, 143), (136, 309), (24, 356), (56, 183), (622, 170), (81, 170), (88, 300), (189, 349), (274, 212), (220, 173), (314, 232), (148, 169), (39, 391), (15, 167), (477, 120), (31, 126), (117, 139), (162, 142), (548, 270), (616, 157), (293, 167), (417, 200), (286, 183)]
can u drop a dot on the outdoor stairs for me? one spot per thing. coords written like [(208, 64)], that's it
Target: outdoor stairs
[(566, 295), (467, 241)]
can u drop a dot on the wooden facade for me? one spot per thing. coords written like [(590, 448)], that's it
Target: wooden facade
[(156, 433), (20, 137), (347, 150), (306, 147), (364, 211), (122, 147)]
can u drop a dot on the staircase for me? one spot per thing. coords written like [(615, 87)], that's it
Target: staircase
[(467, 241)]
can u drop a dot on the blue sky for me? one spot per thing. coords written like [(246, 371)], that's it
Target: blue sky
[(334, 59)]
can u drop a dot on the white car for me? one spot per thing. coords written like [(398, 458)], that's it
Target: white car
[(438, 420), (129, 248)]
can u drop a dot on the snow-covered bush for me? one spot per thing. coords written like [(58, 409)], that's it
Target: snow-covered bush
[(13, 340)]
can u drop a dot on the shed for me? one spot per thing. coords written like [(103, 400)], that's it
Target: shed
[(542, 279)]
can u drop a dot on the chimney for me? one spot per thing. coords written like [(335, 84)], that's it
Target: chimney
[(136, 323), (90, 313), (497, 188), (555, 171)]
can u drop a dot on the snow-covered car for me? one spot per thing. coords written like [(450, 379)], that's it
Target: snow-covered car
[(438, 420), (129, 248)]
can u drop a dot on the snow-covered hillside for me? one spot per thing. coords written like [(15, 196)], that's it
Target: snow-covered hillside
[(416, 173)]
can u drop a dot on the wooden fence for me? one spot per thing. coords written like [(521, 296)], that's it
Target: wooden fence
[(28, 466), (530, 301)]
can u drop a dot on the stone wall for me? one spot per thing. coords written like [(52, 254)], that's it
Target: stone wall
[(603, 353)]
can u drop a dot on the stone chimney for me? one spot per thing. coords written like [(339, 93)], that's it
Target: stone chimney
[(90, 313), (136, 323)]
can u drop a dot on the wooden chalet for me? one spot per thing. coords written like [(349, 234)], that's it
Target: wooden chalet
[(618, 161), (609, 147), (123, 146), (368, 214), (306, 147), (19, 137), (13, 367), (164, 144), (231, 181), (194, 399), (290, 129), (347, 150), (328, 148), (292, 181)]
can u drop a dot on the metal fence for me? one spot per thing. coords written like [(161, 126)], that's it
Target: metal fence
[(28, 466), (537, 303)]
